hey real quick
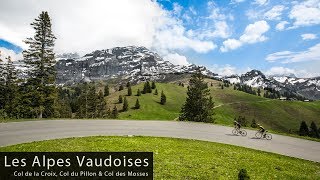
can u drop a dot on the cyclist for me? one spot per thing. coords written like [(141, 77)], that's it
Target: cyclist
[(237, 125), (262, 130)]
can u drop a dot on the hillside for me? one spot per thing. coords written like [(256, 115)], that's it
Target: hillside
[(272, 114)]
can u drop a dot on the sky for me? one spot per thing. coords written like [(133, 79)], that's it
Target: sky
[(278, 37)]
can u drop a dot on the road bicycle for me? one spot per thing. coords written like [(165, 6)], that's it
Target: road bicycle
[(237, 131), (266, 135)]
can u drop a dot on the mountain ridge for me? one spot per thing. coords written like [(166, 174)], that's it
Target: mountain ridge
[(137, 64)]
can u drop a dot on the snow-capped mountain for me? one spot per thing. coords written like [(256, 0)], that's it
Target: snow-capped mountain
[(135, 64), (306, 87), (130, 63)]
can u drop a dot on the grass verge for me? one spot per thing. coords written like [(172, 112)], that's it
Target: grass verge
[(188, 159)]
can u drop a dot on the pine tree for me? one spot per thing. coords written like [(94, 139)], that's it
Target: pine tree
[(11, 93), (128, 84), (137, 105), (2, 87), (92, 102), (138, 92), (199, 105), (125, 106), (149, 90), (156, 92), (314, 130), (106, 90), (144, 90), (109, 112), (114, 113), (163, 98), (120, 100), (121, 87), (129, 91), (304, 130), (82, 102), (39, 57), (259, 92), (153, 85), (101, 106)]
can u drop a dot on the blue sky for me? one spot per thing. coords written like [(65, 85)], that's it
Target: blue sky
[(227, 36)]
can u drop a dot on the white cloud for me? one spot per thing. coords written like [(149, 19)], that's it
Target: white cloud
[(224, 70), (312, 54), (230, 44), (221, 30), (260, 2), (284, 71), (252, 34), (85, 26), (177, 8), (236, 1), (274, 13), (305, 13), (281, 25), (176, 59), (227, 69), (308, 36), (8, 52), (278, 70)]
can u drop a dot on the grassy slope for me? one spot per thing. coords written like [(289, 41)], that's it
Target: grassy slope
[(188, 159), (273, 114), (150, 106)]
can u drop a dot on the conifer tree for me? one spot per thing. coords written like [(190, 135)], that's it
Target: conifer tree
[(153, 85), (109, 112), (304, 130), (39, 57), (314, 130), (128, 84), (129, 90), (199, 105), (149, 90), (92, 102), (163, 98), (106, 90), (156, 92), (114, 113), (137, 105), (11, 93), (121, 87), (138, 92), (144, 90), (83, 102), (125, 106), (259, 92), (101, 105), (2, 87), (120, 100)]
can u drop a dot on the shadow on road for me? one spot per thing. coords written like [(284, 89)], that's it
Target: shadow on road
[(255, 138), (232, 135)]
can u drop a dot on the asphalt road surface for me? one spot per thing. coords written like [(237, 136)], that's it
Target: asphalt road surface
[(28, 131)]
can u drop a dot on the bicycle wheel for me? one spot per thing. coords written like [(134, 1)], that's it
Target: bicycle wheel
[(268, 136), (235, 131), (243, 133), (258, 135)]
